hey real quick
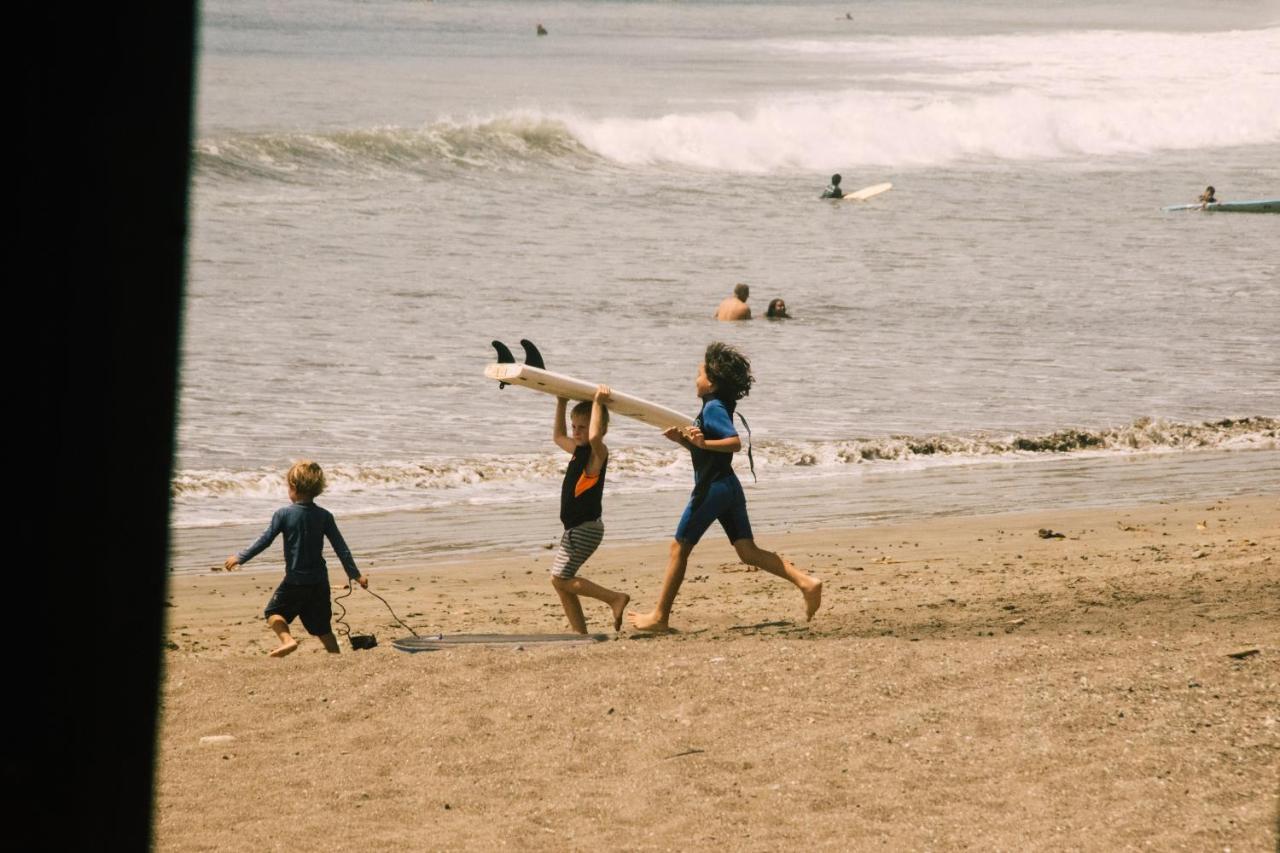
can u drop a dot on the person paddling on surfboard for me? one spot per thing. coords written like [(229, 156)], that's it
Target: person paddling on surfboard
[(724, 377), (581, 498), (1207, 197), (834, 190)]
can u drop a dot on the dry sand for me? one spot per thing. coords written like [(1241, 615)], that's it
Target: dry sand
[(967, 685)]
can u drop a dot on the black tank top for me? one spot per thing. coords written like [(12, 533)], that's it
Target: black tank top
[(575, 510)]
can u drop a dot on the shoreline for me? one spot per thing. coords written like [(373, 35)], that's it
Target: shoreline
[(967, 683), (465, 532)]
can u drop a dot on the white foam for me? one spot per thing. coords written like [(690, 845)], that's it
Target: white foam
[(216, 497), (1005, 97)]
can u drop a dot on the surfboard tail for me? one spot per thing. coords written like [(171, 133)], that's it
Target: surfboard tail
[(504, 357)]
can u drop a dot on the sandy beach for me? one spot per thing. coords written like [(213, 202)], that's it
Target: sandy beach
[(966, 685)]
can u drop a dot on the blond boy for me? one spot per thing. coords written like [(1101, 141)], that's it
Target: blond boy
[(304, 592)]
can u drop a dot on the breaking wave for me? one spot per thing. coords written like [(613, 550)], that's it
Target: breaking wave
[(205, 497), (889, 102), (505, 142)]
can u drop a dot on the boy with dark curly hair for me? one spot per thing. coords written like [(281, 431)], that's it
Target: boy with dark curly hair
[(724, 377)]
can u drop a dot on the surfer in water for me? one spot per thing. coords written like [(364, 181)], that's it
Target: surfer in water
[(541, 30), (580, 507), (735, 307), (1207, 197), (777, 310), (834, 190), (724, 377)]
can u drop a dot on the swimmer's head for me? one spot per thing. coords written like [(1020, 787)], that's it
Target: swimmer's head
[(835, 180), (741, 291)]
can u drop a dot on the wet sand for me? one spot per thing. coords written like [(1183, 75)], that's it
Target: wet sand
[(966, 685)]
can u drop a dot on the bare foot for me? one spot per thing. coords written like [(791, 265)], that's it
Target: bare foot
[(619, 604), (812, 600), (649, 623), (285, 648)]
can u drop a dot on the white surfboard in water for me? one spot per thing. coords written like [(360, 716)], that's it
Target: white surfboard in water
[(867, 192), (559, 385)]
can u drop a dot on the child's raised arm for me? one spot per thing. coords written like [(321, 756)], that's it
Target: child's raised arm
[(558, 433), (596, 429)]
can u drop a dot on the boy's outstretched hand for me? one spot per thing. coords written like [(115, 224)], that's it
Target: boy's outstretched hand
[(693, 435), (687, 436), (232, 563)]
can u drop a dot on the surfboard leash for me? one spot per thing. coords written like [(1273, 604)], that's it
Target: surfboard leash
[(341, 620), (392, 612), (751, 459)]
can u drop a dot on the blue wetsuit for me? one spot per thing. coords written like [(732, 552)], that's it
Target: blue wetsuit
[(717, 494), (305, 589), (305, 527)]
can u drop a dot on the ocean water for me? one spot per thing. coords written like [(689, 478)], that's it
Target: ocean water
[(381, 188)]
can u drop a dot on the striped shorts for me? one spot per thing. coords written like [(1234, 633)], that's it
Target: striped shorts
[(576, 545)]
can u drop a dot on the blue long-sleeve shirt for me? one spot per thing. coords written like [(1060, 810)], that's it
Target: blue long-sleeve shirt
[(305, 527)]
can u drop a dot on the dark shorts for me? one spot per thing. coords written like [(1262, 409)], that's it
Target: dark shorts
[(307, 600), (724, 503)]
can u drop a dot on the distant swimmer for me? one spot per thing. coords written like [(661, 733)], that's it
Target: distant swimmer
[(1207, 196), (777, 310), (542, 31), (735, 307), (834, 190)]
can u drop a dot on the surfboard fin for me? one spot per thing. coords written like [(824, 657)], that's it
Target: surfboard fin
[(504, 357), (532, 357), (504, 354)]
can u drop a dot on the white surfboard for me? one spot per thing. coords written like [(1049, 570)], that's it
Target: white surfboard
[(867, 192), (559, 385)]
